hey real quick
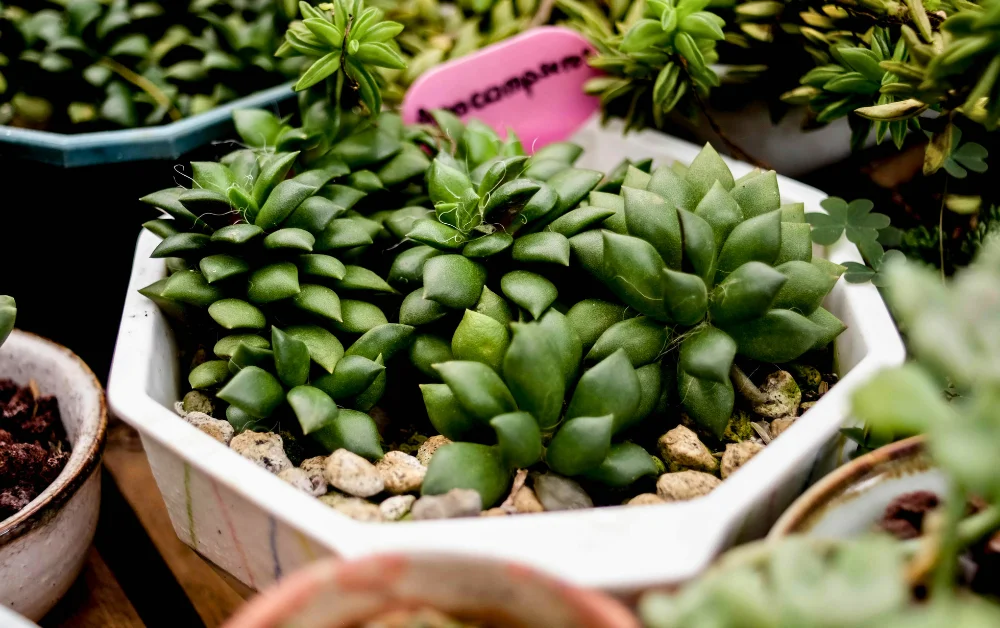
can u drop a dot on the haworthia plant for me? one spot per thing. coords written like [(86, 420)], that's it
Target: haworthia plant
[(8, 315), (717, 267), (519, 397)]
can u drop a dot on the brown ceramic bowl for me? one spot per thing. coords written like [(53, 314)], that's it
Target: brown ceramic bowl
[(337, 594), (849, 501), (42, 547)]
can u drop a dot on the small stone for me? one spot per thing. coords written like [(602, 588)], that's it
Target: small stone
[(401, 473), (737, 455), (218, 429), (396, 507), (805, 407), (263, 449), (808, 377), (494, 512), (646, 499), (525, 501), (352, 474), (682, 449), (316, 468), (559, 493), (458, 502), (353, 507), (428, 447), (196, 401), (783, 396), (823, 387), (685, 485), (301, 480), (179, 408), (780, 425)]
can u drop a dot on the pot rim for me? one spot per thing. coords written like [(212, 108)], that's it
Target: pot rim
[(69, 480), (839, 480)]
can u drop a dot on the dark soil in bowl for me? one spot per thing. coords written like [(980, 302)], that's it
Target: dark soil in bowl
[(33, 445)]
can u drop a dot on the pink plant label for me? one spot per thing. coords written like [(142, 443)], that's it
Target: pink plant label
[(532, 84)]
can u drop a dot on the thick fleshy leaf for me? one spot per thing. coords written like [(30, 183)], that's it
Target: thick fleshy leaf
[(226, 347), (707, 168), (385, 340), (708, 403), (746, 293), (580, 445), (405, 165), (236, 314), (571, 186), (360, 278), (829, 325), (608, 388), (518, 438), (563, 339), (343, 233), (721, 211), (481, 339), (649, 217), (757, 239), (190, 286), (408, 267), (447, 415), (651, 384), (488, 245), (805, 289), (272, 172), (758, 194), (625, 463), (237, 234), (635, 272), (686, 295), (427, 350), (592, 317), (290, 239), (533, 373), (241, 421), (353, 374), (255, 391), (573, 222), (180, 245), (478, 388), (672, 187), (168, 200), (707, 354), (495, 306), (291, 358), (359, 316), (468, 465), (219, 267), (436, 234), (453, 281), (281, 202), (508, 195), (699, 246), (312, 407), (643, 340), (416, 310), (529, 290), (777, 336), (324, 348), (351, 430), (401, 221), (796, 243), (247, 355), (446, 182), (324, 266), (209, 374), (588, 252), (545, 246), (321, 301), (273, 283)]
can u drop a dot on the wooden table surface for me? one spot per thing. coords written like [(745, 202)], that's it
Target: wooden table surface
[(138, 573)]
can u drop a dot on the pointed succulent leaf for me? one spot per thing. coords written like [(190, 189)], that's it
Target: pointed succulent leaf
[(236, 314), (707, 354), (219, 267), (436, 234), (351, 430), (636, 179), (805, 288), (427, 350), (190, 286), (161, 228), (518, 438), (352, 375), (468, 465), (534, 375), (672, 187), (290, 239), (385, 340), (237, 234), (580, 445), (226, 347), (408, 267), (500, 172), (447, 415), (478, 388), (273, 283), (635, 272), (777, 336), (649, 217), (319, 300), (180, 245), (651, 384), (571, 186), (211, 175), (755, 239), (488, 245), (248, 355), (625, 463), (254, 391), (360, 278), (758, 194), (608, 388), (493, 305), (169, 201), (453, 281), (312, 407), (359, 317), (281, 202), (256, 127), (686, 295), (272, 172), (699, 245), (563, 339), (291, 358), (342, 233), (324, 348), (416, 310), (829, 327), (721, 211), (325, 266), (707, 168), (209, 374), (479, 338), (796, 243), (590, 318), (314, 214), (241, 421), (571, 223), (746, 293), (545, 246), (643, 340), (529, 290), (542, 203)]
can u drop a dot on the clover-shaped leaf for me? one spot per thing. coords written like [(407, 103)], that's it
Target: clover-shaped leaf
[(855, 219), (860, 273)]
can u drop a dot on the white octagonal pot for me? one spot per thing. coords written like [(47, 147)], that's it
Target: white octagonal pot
[(258, 527)]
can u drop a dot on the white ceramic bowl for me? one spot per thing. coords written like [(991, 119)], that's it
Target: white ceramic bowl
[(42, 548), (257, 527)]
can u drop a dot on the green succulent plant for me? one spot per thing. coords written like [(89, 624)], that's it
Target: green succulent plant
[(8, 315), (717, 267), (85, 65)]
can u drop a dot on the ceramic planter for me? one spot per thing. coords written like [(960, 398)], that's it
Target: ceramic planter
[(42, 547), (168, 141), (335, 594), (257, 527), (849, 501)]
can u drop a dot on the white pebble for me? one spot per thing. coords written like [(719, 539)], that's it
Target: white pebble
[(264, 449), (353, 474)]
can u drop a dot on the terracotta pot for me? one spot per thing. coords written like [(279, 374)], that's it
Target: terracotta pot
[(336, 594), (42, 547), (849, 500)]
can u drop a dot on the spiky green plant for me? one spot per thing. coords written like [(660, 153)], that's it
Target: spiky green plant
[(88, 65), (717, 267), (8, 315)]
